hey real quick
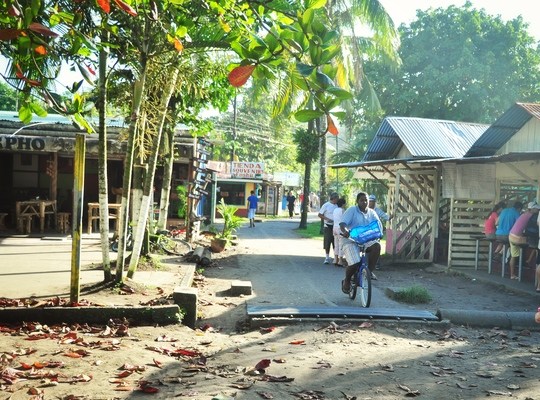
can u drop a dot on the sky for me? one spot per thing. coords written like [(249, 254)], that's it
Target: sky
[(404, 11)]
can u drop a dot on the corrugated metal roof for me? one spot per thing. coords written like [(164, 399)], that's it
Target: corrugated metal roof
[(508, 157), (502, 130), (424, 138)]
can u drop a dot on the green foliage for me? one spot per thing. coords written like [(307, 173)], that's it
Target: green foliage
[(8, 98), (231, 221), (307, 146), (181, 191), (460, 64), (413, 295)]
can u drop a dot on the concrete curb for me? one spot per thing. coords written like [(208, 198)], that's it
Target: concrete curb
[(162, 315), (490, 319)]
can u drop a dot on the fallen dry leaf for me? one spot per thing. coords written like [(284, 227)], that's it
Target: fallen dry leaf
[(410, 392), (262, 365), (298, 342)]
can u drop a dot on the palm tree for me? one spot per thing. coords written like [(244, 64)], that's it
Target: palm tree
[(289, 90)]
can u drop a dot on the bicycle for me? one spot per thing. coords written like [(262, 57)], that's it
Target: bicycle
[(361, 279), (129, 240), (171, 243)]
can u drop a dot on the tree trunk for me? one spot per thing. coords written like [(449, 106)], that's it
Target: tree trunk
[(102, 165), (322, 161), (138, 96), (305, 200), (307, 185), (148, 189), (167, 179), (322, 168)]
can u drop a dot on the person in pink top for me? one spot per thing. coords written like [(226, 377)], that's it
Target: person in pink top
[(490, 225), (517, 235)]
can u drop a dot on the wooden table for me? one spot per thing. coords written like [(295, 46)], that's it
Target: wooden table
[(93, 214), (38, 208)]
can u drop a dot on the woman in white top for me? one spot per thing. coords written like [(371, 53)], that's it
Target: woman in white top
[(338, 252)]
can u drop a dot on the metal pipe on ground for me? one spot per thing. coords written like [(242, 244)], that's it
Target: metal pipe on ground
[(490, 319)]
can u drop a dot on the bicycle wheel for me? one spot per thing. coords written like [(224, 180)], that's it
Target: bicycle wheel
[(365, 286), (354, 286), (174, 246)]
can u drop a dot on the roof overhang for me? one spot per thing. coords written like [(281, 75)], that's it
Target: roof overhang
[(376, 163), (509, 157)]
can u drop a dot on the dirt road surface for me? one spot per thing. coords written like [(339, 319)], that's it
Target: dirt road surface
[(225, 358)]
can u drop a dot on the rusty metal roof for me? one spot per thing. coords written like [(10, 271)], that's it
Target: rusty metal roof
[(502, 130), (423, 138)]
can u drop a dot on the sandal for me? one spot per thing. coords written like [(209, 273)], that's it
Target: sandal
[(345, 288)]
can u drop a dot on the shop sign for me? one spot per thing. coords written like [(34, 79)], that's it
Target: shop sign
[(30, 143), (247, 170)]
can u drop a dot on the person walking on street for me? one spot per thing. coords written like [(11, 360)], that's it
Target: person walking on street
[(355, 216), (253, 200), (338, 239), (290, 203), (326, 214)]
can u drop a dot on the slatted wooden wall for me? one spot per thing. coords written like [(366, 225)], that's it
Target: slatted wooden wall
[(467, 218)]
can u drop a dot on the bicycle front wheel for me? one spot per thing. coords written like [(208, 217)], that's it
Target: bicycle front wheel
[(174, 246), (365, 287), (354, 286)]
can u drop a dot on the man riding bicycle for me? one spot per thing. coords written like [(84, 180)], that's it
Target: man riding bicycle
[(359, 216)]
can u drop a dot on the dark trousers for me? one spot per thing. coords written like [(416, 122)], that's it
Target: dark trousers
[(328, 236)]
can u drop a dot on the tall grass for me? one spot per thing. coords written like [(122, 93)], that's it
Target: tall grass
[(413, 295)]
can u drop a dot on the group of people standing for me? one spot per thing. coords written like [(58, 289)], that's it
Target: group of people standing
[(511, 225), (338, 220)]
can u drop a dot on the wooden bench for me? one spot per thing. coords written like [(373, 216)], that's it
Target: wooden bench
[(93, 215), (63, 222), (24, 224)]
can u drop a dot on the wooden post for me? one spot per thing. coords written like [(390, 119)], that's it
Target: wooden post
[(76, 234), (54, 177)]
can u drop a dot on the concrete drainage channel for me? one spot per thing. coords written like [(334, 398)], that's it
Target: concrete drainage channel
[(262, 315)]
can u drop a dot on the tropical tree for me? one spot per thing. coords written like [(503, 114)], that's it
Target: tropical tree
[(307, 152), (8, 98), (461, 64), (341, 62)]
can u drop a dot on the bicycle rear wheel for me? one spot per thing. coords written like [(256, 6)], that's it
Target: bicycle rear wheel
[(365, 286), (174, 246)]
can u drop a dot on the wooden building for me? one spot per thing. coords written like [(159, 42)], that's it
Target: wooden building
[(36, 161), (443, 177)]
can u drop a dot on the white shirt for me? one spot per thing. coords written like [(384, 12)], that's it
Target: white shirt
[(338, 212), (327, 210)]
